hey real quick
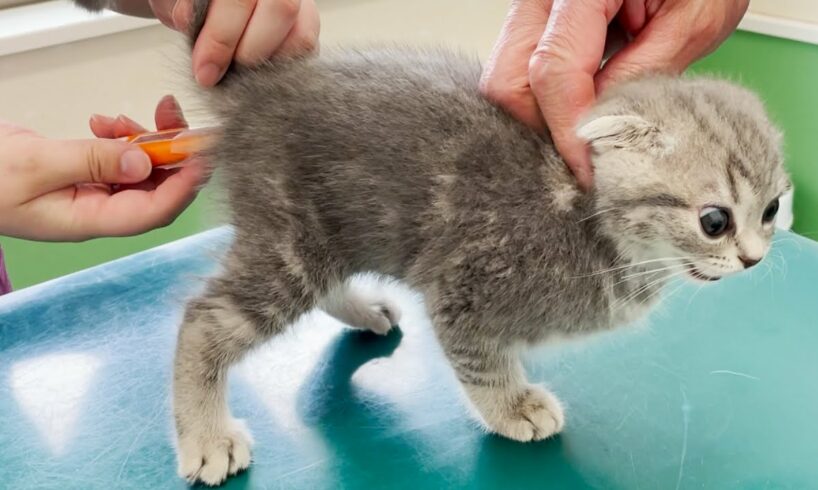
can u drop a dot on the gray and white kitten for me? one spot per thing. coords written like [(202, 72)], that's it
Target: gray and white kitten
[(389, 160)]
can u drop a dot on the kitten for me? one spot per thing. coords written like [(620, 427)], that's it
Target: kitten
[(388, 160)]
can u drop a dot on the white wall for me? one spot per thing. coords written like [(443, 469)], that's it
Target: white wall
[(55, 89), (803, 10)]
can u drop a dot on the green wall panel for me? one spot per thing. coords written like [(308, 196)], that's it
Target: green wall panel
[(30, 262)]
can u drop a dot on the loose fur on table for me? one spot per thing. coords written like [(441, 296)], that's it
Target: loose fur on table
[(388, 160)]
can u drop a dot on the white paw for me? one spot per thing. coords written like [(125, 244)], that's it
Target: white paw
[(385, 316), (531, 416), (377, 314), (378, 317), (211, 458)]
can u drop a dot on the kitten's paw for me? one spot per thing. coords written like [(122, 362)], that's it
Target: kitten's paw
[(387, 316), (211, 458), (533, 415), (378, 317)]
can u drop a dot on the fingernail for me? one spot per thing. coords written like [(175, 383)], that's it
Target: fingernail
[(208, 75), (170, 99), (101, 119), (127, 120), (135, 164), (170, 103)]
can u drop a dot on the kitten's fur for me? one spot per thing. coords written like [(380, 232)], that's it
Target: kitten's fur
[(389, 160)]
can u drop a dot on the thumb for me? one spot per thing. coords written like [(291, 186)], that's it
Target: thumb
[(69, 162)]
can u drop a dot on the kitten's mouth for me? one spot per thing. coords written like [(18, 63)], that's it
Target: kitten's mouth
[(697, 274)]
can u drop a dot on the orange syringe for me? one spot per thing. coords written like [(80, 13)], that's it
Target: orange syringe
[(172, 146)]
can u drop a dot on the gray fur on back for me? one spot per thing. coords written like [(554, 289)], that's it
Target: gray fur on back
[(388, 160)]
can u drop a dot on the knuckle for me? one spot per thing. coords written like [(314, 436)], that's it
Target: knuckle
[(243, 57), (306, 43), (27, 164), (245, 4), (24, 154), (268, 7), (487, 87), (709, 30), (221, 45), (316, 21), (93, 161), (167, 220), (542, 61), (498, 93), (30, 164), (288, 8), (706, 24)]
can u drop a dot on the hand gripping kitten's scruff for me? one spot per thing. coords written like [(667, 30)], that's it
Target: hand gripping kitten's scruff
[(389, 161)]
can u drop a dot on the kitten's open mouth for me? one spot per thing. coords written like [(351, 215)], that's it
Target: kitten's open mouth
[(701, 276)]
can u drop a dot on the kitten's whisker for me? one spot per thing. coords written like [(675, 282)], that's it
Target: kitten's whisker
[(661, 291), (597, 213), (634, 294), (784, 265), (690, 301), (625, 266), (658, 269), (785, 239), (681, 262), (768, 267), (630, 277), (653, 282)]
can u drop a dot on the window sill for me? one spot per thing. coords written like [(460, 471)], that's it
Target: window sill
[(56, 22), (806, 32)]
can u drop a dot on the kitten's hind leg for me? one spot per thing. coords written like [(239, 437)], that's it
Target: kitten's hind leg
[(494, 381), (360, 309), (239, 311), (211, 444)]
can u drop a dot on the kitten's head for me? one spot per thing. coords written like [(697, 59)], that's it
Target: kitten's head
[(688, 171)]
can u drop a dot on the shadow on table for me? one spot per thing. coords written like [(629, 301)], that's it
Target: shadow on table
[(372, 448)]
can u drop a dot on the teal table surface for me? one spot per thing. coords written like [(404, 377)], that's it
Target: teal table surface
[(717, 389)]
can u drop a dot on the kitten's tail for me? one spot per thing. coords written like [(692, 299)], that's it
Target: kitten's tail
[(219, 98), (197, 21), (198, 17)]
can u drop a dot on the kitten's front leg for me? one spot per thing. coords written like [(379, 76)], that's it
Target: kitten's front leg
[(495, 383)]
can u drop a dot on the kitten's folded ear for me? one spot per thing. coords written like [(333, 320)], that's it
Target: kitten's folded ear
[(619, 132)]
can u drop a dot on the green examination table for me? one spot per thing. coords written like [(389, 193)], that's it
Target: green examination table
[(717, 390)]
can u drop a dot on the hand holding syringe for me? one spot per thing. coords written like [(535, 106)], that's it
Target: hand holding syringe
[(170, 147), (78, 189)]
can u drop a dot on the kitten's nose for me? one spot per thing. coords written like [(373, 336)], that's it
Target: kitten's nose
[(748, 262)]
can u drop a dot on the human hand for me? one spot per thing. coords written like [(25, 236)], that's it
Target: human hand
[(73, 190), (247, 31), (545, 67)]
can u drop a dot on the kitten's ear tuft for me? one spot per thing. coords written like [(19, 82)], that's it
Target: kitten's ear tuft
[(623, 132)]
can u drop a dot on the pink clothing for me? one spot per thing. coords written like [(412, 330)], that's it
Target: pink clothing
[(5, 284)]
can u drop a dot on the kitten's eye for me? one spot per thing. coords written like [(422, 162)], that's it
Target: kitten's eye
[(770, 212), (715, 221)]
